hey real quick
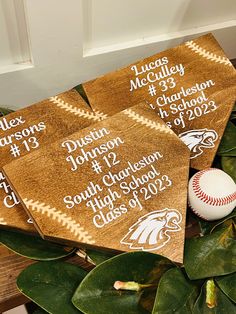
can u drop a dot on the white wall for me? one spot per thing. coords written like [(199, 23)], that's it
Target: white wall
[(49, 46), (111, 22)]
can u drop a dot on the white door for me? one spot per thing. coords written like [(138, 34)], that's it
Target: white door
[(49, 46)]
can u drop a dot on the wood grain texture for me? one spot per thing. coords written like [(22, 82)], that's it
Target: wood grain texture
[(30, 129), (71, 203), (10, 267), (198, 115)]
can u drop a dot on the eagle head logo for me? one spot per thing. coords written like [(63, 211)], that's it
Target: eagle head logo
[(152, 231), (196, 140)]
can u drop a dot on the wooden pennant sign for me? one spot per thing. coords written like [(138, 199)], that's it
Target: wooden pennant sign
[(120, 184), (27, 130), (191, 87)]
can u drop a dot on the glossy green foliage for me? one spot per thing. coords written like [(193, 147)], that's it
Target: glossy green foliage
[(211, 255), (33, 247), (96, 293), (223, 305), (175, 293), (228, 285), (227, 145), (51, 285)]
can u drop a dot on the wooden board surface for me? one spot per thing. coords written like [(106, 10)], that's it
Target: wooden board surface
[(191, 87), (29, 129), (126, 176)]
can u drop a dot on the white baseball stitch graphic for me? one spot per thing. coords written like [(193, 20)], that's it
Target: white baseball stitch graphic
[(152, 231), (2, 221), (80, 112), (149, 123), (199, 139), (100, 114), (70, 224), (206, 54)]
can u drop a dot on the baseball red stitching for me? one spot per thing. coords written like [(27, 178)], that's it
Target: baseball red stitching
[(215, 201), (195, 212)]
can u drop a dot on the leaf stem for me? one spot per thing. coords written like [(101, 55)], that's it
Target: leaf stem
[(211, 298), (81, 253), (130, 285)]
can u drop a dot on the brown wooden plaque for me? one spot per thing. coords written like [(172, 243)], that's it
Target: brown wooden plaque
[(27, 130), (191, 87), (120, 184)]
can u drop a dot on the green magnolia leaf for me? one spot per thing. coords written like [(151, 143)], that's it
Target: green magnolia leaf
[(40, 311), (4, 111), (224, 224), (228, 285), (229, 166), (175, 293), (96, 294), (51, 285), (227, 145), (98, 257), (211, 255), (223, 305), (230, 153), (210, 226), (79, 88), (33, 247)]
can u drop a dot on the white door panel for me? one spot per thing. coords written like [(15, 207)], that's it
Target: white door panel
[(61, 43), (14, 39), (111, 22)]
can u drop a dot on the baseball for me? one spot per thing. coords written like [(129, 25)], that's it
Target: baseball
[(212, 194)]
